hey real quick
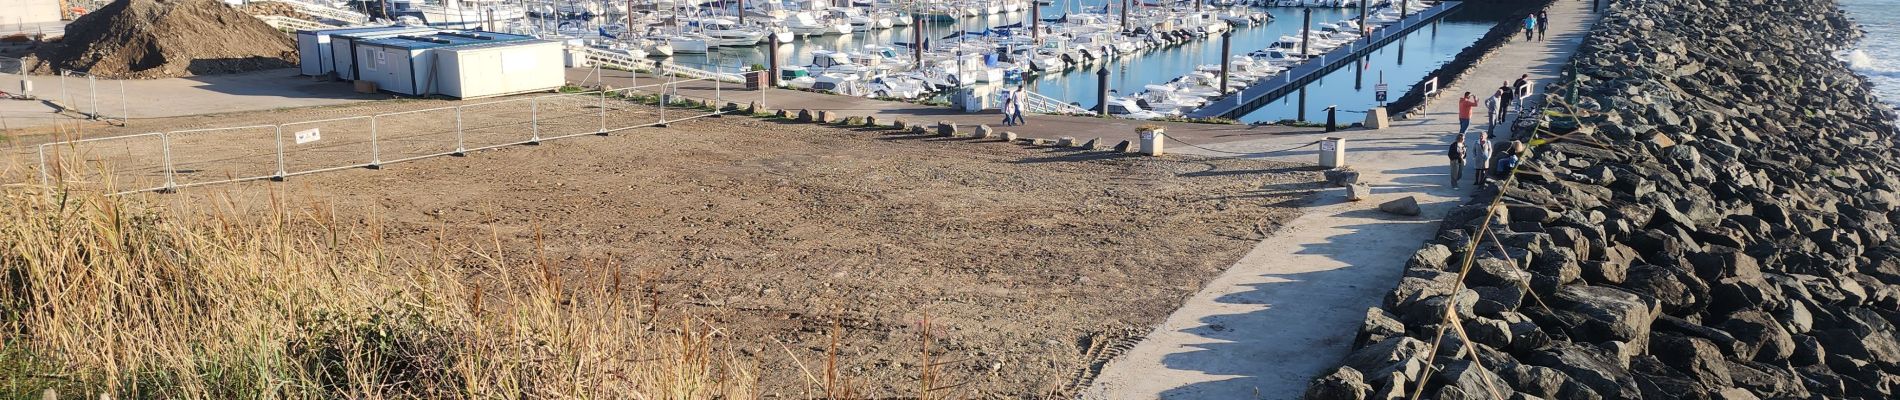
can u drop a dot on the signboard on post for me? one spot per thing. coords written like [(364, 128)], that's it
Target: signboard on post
[(309, 135), (1379, 93), (1431, 86)]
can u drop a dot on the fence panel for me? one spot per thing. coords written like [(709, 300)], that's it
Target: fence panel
[(566, 115), (409, 135), (633, 107), (214, 155), (117, 164), (323, 145), (497, 123)]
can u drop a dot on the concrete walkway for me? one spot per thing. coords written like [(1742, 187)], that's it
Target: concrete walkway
[(170, 97), (1288, 310)]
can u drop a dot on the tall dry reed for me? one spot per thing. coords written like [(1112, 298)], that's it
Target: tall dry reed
[(116, 296)]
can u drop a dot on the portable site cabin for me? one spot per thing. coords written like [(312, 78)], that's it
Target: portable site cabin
[(319, 58), (496, 69), (342, 56), (407, 64)]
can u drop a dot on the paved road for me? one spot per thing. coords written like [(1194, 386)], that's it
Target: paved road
[(1288, 309), (170, 97)]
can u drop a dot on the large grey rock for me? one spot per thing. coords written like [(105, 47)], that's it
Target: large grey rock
[(1341, 177), (1009, 136), (806, 116), (983, 131), (1598, 314), (947, 129), (1407, 206), (1358, 191), (1695, 357), (1344, 383)]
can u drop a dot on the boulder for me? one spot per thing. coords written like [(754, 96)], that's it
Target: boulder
[(1066, 141), (1341, 177), (870, 121), (1358, 191), (1128, 147), (1407, 206), (1344, 383), (983, 131), (947, 129), (1009, 136), (1091, 144), (1600, 314), (806, 116)]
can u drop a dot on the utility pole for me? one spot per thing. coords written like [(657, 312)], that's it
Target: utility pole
[(1124, 16), (1035, 23), (771, 55), (917, 39), (1226, 57), (1101, 91), (1306, 32), (1362, 22)]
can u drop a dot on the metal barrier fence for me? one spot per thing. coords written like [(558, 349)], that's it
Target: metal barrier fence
[(82, 93), (165, 161)]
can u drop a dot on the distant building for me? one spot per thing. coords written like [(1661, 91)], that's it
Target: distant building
[(27, 16)]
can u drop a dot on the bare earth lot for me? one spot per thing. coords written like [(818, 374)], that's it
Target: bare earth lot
[(1032, 265)]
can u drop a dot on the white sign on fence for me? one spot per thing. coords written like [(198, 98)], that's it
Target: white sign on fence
[(309, 135)]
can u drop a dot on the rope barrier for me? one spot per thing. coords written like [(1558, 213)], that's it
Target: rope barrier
[(1316, 142)]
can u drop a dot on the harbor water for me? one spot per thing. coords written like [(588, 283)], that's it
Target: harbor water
[(1403, 62), (1878, 56)]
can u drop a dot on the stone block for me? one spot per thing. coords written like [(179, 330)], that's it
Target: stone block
[(946, 129), (1407, 206), (1358, 191), (1009, 136), (983, 131)]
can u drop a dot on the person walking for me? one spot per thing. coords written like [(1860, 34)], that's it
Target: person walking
[(1543, 24), (1484, 161), (1022, 101), (1457, 155), (1009, 108), (1530, 26), (1465, 104)]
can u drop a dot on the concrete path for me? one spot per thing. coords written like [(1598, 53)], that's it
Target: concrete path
[(170, 97), (1288, 310)]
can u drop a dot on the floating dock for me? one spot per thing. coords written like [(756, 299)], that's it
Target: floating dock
[(1260, 94)]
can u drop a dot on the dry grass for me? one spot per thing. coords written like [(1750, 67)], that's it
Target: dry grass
[(112, 296)]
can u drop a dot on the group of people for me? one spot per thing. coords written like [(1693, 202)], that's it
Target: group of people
[(1536, 25), (1511, 94), (1013, 107)]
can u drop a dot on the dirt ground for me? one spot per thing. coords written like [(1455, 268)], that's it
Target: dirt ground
[(1032, 265)]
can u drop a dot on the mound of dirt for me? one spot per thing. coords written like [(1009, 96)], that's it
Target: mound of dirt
[(167, 38)]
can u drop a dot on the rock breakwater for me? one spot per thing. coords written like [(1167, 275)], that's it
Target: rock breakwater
[(1713, 216)]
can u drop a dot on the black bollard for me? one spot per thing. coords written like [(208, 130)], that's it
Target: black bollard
[(1332, 118), (1101, 91), (1226, 57)]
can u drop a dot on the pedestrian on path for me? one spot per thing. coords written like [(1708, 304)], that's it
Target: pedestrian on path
[(1009, 107), (1543, 24), (1530, 26), (1491, 111), (1484, 161), (1022, 101), (1504, 107), (1465, 104), (1457, 155)]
